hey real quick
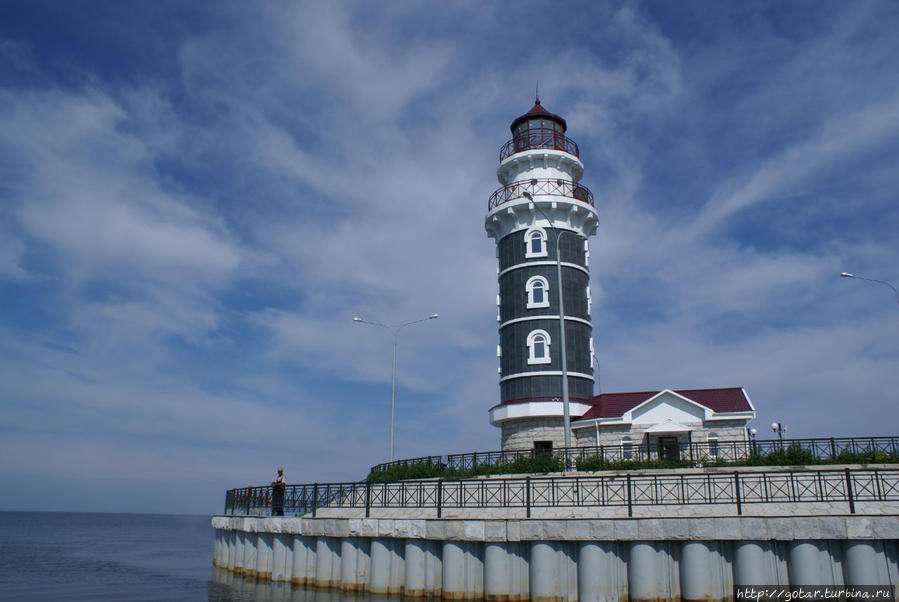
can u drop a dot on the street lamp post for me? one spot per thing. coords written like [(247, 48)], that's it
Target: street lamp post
[(781, 429), (848, 275), (396, 328), (566, 416)]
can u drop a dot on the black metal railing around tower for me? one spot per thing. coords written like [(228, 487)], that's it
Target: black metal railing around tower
[(850, 485), (540, 186), (538, 138), (845, 450)]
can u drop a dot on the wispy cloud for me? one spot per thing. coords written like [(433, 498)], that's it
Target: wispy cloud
[(186, 233)]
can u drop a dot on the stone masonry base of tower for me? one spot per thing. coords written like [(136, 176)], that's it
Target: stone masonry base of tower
[(523, 433), (558, 560)]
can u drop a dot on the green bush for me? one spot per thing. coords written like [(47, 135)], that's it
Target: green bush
[(594, 463), (791, 456), (423, 470), (866, 457)]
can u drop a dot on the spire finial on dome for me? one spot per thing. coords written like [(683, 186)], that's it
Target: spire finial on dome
[(537, 94)]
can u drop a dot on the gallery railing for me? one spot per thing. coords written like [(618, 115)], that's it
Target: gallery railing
[(823, 449), (536, 139), (628, 490), (540, 186)]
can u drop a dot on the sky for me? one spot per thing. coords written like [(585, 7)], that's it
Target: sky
[(196, 198)]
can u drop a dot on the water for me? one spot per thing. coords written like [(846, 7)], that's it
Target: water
[(83, 556), (99, 557)]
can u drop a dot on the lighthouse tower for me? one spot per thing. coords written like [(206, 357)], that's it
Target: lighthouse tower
[(541, 207)]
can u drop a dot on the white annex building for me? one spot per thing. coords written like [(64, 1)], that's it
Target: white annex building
[(541, 219)]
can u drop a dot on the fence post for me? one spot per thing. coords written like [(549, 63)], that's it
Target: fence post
[(849, 493), (439, 498), (249, 499), (630, 509), (833, 450), (367, 499), (737, 493), (527, 495)]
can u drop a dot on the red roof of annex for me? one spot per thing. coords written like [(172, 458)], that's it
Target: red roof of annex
[(725, 400)]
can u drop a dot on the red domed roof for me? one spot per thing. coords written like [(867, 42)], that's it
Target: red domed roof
[(538, 111)]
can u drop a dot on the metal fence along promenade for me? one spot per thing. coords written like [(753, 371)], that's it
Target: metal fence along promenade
[(823, 449), (738, 488)]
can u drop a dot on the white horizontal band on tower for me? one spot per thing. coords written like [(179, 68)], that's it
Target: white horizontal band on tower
[(529, 264), (533, 408), (545, 317), (546, 373)]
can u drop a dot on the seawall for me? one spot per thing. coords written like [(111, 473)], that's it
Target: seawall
[(565, 559)]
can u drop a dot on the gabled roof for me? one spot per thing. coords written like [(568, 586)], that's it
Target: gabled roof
[(614, 405)]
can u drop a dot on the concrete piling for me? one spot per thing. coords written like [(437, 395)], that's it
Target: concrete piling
[(264, 556), (249, 555), (381, 555)]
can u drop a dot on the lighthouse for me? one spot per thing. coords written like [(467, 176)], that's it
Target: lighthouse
[(541, 218)]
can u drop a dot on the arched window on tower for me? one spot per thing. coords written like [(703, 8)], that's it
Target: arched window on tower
[(535, 243), (537, 289), (538, 347)]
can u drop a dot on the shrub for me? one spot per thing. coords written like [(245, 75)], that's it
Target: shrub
[(866, 457), (593, 463), (423, 470)]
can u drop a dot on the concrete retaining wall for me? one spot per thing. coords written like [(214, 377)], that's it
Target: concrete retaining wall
[(560, 560)]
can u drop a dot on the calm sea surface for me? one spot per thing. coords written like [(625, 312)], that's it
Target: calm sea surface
[(81, 556)]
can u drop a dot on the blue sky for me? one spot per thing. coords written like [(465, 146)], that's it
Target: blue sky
[(196, 198)]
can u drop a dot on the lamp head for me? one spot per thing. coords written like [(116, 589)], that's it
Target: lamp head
[(753, 432), (774, 426), (528, 196)]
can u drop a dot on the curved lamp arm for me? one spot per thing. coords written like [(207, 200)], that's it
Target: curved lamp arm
[(848, 275)]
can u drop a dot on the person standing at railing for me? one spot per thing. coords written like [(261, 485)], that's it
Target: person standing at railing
[(278, 487)]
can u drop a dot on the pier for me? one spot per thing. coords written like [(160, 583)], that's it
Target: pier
[(692, 534)]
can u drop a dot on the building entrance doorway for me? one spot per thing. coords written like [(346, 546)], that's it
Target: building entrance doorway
[(668, 448), (543, 447)]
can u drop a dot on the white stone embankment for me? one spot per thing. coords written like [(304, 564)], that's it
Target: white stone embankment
[(777, 528)]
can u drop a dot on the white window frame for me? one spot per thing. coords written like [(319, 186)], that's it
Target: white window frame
[(527, 242), (713, 444), (529, 288), (627, 448), (531, 343)]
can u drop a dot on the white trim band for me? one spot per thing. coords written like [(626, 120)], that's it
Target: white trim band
[(533, 409), (528, 264), (546, 373), (549, 317)]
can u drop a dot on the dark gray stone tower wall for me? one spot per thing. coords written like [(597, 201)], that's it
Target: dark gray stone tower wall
[(517, 321)]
